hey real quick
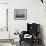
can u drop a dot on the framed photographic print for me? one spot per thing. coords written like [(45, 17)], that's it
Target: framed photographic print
[(20, 14)]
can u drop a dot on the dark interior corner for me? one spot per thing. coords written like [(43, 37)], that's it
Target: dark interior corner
[(42, 1)]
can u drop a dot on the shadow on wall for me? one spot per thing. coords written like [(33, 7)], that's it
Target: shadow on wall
[(41, 34)]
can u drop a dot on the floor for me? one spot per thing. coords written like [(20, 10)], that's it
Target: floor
[(27, 44), (5, 44)]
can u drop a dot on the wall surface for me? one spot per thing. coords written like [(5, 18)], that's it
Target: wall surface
[(3, 1), (35, 13)]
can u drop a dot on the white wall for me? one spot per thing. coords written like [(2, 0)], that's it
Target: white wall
[(3, 1)]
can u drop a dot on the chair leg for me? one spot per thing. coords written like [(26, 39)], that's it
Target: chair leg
[(32, 42), (20, 42)]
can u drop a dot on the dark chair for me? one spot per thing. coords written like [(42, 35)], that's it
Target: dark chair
[(32, 29)]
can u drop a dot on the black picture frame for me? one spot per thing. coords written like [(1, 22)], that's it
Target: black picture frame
[(20, 14)]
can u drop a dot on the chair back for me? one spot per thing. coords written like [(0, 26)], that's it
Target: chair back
[(33, 28)]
